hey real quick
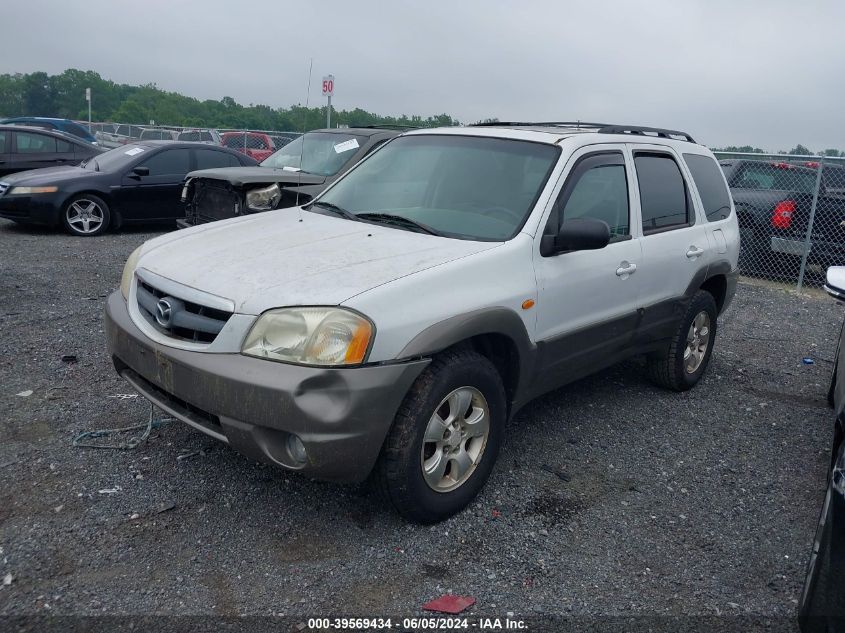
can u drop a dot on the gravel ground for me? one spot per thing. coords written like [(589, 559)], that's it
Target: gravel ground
[(701, 503)]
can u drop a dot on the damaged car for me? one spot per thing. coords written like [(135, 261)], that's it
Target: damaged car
[(391, 326), (292, 175)]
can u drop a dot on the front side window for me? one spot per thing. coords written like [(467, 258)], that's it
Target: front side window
[(173, 162), (209, 159), (33, 143), (663, 193), (466, 187), (598, 189), (711, 186), (320, 153)]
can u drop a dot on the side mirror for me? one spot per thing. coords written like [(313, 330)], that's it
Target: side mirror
[(580, 234), (835, 282), (141, 171)]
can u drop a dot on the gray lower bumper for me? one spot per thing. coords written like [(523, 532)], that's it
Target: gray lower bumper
[(342, 416)]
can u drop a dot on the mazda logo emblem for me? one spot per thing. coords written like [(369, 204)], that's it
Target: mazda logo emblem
[(164, 312)]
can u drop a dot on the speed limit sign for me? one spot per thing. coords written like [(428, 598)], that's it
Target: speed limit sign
[(328, 85)]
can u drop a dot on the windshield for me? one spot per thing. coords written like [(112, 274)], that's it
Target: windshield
[(462, 186), (116, 158), (325, 153)]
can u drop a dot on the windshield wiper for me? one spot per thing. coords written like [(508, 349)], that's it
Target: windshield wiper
[(398, 220), (337, 210)]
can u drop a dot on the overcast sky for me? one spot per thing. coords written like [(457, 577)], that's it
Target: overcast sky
[(767, 73)]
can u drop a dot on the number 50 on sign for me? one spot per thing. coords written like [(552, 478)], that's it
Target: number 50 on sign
[(328, 85)]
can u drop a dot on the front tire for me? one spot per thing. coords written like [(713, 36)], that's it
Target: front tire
[(445, 438), (86, 215), (680, 366)]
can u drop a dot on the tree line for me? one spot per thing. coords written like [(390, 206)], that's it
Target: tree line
[(40, 94), (63, 96)]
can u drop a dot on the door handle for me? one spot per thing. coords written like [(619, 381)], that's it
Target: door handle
[(626, 269), (694, 252)]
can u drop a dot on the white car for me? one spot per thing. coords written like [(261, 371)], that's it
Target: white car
[(394, 324)]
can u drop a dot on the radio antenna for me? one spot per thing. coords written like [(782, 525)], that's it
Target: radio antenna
[(302, 149)]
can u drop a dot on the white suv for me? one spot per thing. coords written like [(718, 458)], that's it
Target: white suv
[(393, 326)]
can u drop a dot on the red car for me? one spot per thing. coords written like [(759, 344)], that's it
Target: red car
[(254, 144)]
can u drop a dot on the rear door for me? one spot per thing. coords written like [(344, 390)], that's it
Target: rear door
[(65, 152), (5, 152), (156, 196), (33, 150), (676, 247)]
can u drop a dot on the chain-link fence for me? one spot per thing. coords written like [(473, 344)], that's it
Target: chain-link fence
[(791, 212), (257, 143)]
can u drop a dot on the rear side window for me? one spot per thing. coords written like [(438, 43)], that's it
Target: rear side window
[(711, 186), (172, 162), (63, 146), (3, 136), (663, 193), (209, 159), (32, 143)]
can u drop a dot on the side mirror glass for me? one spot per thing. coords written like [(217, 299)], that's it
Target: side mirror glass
[(835, 282), (580, 234), (141, 171)]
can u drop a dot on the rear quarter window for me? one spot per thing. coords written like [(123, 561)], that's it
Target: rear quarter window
[(711, 186)]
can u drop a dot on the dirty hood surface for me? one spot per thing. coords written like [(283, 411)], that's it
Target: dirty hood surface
[(273, 259), (239, 176)]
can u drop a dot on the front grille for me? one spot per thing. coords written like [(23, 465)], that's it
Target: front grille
[(214, 200), (186, 320)]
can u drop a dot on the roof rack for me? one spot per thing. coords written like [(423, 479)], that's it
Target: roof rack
[(645, 131), (387, 126), (601, 128)]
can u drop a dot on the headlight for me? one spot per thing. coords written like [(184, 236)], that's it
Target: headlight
[(128, 271), (31, 190), (264, 199), (310, 336)]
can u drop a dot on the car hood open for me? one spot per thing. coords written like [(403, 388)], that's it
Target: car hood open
[(240, 176), (292, 257)]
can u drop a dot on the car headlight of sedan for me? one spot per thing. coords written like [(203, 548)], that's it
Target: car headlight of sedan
[(310, 336), (17, 191), (128, 271), (264, 199)]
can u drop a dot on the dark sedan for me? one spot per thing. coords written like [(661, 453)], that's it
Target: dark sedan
[(140, 182), (23, 148), (822, 607)]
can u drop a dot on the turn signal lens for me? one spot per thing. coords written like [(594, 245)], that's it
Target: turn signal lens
[(30, 190)]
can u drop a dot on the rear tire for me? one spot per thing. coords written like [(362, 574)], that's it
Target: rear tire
[(680, 366), (445, 438), (86, 215)]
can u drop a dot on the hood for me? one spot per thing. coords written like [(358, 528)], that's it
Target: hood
[(47, 175), (239, 176), (275, 259)]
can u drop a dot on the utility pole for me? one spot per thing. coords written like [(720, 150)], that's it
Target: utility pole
[(88, 99)]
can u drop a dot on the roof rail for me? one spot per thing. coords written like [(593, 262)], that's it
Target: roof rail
[(645, 131), (386, 126), (575, 124), (601, 128)]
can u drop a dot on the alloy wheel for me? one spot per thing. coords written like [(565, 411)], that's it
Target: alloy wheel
[(85, 216), (698, 339), (455, 438)]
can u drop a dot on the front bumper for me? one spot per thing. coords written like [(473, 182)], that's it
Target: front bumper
[(341, 415), (37, 209)]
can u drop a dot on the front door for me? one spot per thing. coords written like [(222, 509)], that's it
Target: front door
[(588, 300), (155, 196)]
